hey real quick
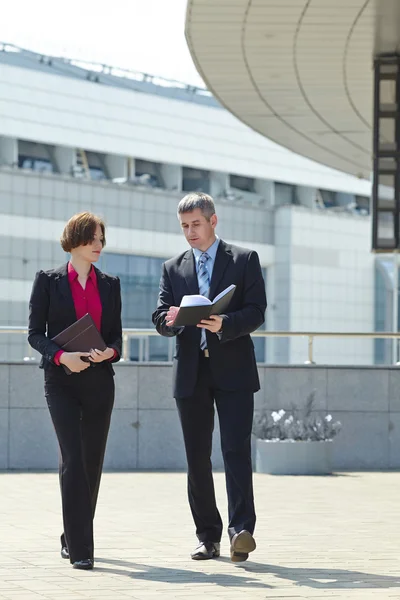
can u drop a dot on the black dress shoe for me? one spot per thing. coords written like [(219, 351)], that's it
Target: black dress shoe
[(241, 544), (206, 550), (64, 552), (86, 564)]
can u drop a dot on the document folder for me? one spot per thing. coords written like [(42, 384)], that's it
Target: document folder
[(81, 336)]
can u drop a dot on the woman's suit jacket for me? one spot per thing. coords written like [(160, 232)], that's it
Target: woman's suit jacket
[(51, 310)]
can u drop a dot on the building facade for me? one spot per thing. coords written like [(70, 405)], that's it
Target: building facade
[(77, 137)]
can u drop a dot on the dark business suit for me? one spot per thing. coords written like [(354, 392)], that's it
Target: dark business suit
[(80, 404), (228, 377)]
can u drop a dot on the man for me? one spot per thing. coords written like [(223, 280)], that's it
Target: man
[(215, 362)]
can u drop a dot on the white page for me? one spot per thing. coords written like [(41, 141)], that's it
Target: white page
[(194, 300), (225, 291)]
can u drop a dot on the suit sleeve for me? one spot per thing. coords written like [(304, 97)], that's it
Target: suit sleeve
[(116, 332), (38, 316), (165, 300), (252, 314)]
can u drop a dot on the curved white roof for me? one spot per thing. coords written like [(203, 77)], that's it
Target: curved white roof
[(299, 72)]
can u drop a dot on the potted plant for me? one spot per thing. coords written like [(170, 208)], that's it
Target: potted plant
[(294, 442)]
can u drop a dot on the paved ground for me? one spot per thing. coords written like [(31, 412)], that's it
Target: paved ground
[(318, 537)]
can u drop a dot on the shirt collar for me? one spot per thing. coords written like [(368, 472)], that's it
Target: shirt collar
[(211, 251), (72, 274)]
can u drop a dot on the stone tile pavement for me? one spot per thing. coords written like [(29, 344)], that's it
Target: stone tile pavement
[(318, 537)]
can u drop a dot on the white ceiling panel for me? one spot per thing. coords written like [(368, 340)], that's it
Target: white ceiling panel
[(299, 72)]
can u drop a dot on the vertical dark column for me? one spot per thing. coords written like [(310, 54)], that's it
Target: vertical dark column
[(386, 155)]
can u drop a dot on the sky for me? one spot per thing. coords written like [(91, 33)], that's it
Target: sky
[(142, 35)]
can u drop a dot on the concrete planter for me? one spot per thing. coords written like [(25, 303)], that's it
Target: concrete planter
[(285, 457)]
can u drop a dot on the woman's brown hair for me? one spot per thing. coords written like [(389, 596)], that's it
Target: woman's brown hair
[(80, 231)]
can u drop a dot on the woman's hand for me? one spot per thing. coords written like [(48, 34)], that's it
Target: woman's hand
[(73, 361), (98, 356)]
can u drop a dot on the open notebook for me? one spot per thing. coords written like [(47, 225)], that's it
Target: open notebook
[(195, 307)]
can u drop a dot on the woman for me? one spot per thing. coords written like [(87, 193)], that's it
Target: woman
[(80, 403)]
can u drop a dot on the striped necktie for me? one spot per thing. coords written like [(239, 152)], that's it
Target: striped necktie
[(203, 278)]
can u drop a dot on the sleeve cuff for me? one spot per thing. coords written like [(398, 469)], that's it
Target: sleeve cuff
[(57, 357), (114, 356)]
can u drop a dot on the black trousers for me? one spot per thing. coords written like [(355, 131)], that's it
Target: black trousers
[(235, 413), (80, 407)]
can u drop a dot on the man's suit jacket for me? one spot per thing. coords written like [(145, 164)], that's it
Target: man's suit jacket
[(51, 310), (232, 359)]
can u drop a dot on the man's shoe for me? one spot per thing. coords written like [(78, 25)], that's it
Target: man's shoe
[(206, 550), (64, 552), (86, 564), (241, 544)]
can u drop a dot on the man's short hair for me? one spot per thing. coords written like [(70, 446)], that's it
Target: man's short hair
[(80, 231), (197, 200)]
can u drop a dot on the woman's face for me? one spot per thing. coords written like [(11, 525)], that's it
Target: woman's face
[(91, 252)]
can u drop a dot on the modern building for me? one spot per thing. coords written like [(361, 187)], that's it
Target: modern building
[(77, 136)]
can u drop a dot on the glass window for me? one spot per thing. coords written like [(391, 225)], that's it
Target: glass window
[(140, 278), (36, 164), (96, 167), (285, 194), (380, 309), (195, 180), (362, 205), (148, 173), (246, 184), (35, 156), (96, 173), (329, 198), (384, 275)]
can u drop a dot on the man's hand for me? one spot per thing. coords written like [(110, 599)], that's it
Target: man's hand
[(213, 324), (97, 356), (73, 361), (171, 315)]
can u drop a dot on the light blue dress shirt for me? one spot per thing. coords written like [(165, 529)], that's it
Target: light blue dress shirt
[(212, 253)]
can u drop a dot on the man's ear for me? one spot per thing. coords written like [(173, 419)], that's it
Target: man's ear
[(214, 220)]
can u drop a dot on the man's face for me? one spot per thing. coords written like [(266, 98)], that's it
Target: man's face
[(198, 231)]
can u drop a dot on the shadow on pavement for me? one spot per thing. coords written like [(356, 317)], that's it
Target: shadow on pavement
[(145, 572), (327, 579)]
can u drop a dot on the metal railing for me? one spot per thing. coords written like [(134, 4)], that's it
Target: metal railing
[(143, 335)]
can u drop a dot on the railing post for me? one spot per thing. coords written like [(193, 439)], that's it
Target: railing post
[(125, 347), (310, 351), (397, 358)]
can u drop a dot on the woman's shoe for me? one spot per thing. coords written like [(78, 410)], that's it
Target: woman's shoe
[(85, 564), (64, 552)]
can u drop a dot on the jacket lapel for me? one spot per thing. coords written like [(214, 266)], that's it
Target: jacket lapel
[(64, 291), (104, 288), (189, 272), (222, 259)]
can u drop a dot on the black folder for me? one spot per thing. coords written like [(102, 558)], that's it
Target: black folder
[(191, 313), (81, 336)]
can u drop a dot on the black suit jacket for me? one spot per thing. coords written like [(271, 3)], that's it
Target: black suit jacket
[(232, 359), (51, 310)]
